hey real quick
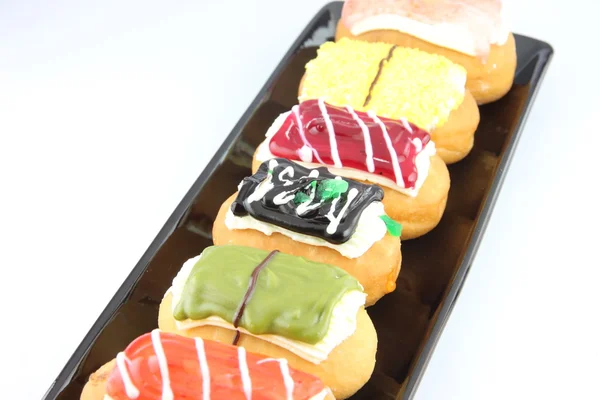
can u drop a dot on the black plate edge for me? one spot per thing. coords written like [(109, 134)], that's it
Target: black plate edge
[(171, 224), (420, 366)]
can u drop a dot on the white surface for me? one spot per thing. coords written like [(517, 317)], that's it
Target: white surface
[(110, 110)]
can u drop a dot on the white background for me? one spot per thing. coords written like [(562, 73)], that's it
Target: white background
[(109, 110)]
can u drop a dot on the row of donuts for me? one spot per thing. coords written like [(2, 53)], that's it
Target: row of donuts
[(298, 252), (276, 308)]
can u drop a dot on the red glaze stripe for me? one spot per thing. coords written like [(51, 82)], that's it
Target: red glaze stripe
[(185, 374), (352, 141)]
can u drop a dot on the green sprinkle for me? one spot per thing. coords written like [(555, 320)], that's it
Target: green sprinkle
[(330, 189), (394, 228), (301, 197), (313, 184), (270, 172)]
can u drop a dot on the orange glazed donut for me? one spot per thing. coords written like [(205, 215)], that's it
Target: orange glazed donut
[(162, 365)]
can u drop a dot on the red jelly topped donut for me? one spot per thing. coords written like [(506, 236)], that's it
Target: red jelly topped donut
[(317, 132)]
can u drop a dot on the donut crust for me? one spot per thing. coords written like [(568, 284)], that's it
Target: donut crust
[(454, 139), (418, 215), (95, 388), (348, 367), (487, 82), (376, 270)]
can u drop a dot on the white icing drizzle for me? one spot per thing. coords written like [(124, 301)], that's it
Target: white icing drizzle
[(390, 146), (295, 110), (167, 392), (418, 144), (284, 197), (406, 124), (245, 374), (203, 368), (367, 137), (288, 381), (322, 394), (263, 187), (130, 389), (335, 156), (266, 360), (287, 171), (335, 221)]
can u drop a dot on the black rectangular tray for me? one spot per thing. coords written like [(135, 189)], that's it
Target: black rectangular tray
[(410, 320)]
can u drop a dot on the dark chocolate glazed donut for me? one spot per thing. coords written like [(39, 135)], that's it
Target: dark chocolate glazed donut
[(307, 201)]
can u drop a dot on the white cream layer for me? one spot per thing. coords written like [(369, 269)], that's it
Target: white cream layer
[(342, 325), (422, 162), (370, 229), (450, 36)]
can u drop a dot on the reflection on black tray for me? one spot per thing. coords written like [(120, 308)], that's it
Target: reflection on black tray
[(409, 320)]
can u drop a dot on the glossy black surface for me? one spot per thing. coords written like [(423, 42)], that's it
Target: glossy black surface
[(314, 222), (410, 320)]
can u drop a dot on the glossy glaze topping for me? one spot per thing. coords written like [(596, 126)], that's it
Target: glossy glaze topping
[(291, 297), (363, 141), (251, 287), (308, 201), (467, 26), (393, 82), (164, 366)]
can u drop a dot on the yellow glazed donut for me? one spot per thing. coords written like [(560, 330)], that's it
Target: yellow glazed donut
[(397, 83)]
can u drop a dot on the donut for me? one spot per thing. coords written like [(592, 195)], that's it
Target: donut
[(276, 305), (394, 154), (398, 83), (314, 214), (471, 33), (161, 366)]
